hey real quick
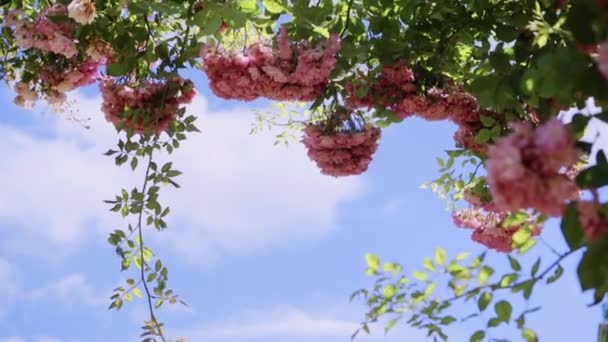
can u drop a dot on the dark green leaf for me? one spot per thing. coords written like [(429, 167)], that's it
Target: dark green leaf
[(503, 310), (571, 227)]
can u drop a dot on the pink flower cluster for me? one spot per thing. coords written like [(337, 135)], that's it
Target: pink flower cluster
[(592, 220), (43, 33), (294, 71), (55, 80), (395, 89), (395, 83), (487, 223), (526, 169), (151, 106), (341, 154)]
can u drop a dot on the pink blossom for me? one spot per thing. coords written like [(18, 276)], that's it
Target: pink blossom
[(525, 170), (45, 34), (82, 11), (488, 225), (150, 106), (263, 71), (341, 154)]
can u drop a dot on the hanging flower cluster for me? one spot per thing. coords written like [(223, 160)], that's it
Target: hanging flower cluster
[(293, 71), (55, 79), (488, 224), (342, 147), (59, 67), (526, 169), (50, 31), (395, 83), (147, 107), (395, 89)]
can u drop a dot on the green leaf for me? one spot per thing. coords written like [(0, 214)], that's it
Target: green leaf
[(529, 335), (558, 273), (503, 310), (440, 256), (447, 320), (508, 279), (249, 6), (535, 267), (571, 227), (487, 121), (484, 274), (592, 271), (373, 262), (420, 276), (389, 291), (493, 322), (390, 324), (137, 292), (462, 256), (273, 6), (484, 300), (118, 68), (526, 286), (428, 264), (158, 265), (478, 336), (133, 163), (166, 167), (320, 30), (515, 266)]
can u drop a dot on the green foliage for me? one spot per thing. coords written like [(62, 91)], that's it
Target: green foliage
[(423, 303)]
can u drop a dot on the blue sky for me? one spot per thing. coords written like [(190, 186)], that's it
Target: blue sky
[(261, 246)]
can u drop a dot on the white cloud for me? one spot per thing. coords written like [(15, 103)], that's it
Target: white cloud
[(47, 339), (239, 191), (35, 339), (72, 289), (280, 321), (287, 323)]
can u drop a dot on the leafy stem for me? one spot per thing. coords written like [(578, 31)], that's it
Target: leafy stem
[(153, 319), (497, 285)]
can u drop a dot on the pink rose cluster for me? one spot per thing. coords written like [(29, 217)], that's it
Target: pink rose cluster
[(151, 106), (341, 154), (592, 219), (55, 80), (527, 169), (395, 89), (43, 33), (487, 223), (293, 71)]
